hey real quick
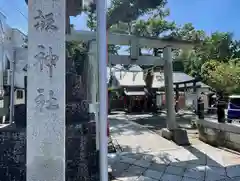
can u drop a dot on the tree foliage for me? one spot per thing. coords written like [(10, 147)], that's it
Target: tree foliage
[(223, 76), (132, 9), (77, 52), (92, 24), (215, 58)]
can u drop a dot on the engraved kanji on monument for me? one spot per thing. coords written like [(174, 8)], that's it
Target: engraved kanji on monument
[(46, 91), (46, 58), (45, 22), (42, 102)]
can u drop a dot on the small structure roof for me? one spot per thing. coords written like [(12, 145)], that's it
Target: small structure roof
[(135, 77), (132, 79), (178, 77), (123, 77)]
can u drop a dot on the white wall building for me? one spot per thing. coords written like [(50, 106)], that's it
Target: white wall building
[(11, 40)]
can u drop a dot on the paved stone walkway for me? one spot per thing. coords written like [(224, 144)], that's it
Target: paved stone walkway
[(146, 156)]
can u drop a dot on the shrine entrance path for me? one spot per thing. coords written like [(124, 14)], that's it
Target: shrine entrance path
[(145, 155)]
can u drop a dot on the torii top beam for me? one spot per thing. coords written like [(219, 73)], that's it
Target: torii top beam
[(74, 8), (124, 39)]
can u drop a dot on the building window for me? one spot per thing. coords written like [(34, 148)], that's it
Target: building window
[(8, 63), (19, 94)]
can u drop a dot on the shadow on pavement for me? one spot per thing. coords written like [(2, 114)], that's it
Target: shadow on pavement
[(156, 122), (169, 165), (120, 125), (196, 162)]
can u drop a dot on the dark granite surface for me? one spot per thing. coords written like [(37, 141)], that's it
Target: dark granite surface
[(81, 155)]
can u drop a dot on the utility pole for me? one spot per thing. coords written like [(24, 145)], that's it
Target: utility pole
[(102, 58), (12, 69)]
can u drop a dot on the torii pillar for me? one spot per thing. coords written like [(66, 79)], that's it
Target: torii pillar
[(172, 132), (168, 78), (46, 91)]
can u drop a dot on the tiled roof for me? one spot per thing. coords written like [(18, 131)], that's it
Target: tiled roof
[(132, 79), (126, 78), (158, 80)]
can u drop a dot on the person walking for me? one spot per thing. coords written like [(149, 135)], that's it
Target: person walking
[(220, 108)]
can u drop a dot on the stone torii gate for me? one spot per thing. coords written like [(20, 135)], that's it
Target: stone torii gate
[(135, 42), (48, 20)]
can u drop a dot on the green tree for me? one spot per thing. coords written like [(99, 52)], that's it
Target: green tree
[(222, 76), (218, 46), (155, 26), (77, 52), (129, 10), (188, 61), (92, 23), (217, 54)]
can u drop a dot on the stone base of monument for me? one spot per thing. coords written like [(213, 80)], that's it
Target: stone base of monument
[(166, 133), (178, 135)]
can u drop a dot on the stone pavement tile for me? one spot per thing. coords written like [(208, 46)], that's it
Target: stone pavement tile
[(175, 170), (178, 164), (234, 179), (196, 156), (194, 173), (206, 148), (160, 161), (136, 156), (194, 141), (215, 177), (142, 163), (163, 158), (147, 157), (215, 170), (216, 160), (125, 176), (144, 178), (233, 171), (231, 159), (153, 174), (197, 161), (187, 155), (169, 177), (158, 167), (197, 167), (132, 178), (132, 174), (125, 159), (189, 179), (118, 168), (136, 170), (112, 158), (153, 142), (181, 155)]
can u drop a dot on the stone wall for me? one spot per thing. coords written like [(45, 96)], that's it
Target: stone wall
[(219, 134), (81, 156), (13, 155)]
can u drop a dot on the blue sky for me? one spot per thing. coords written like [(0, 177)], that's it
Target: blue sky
[(208, 15)]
